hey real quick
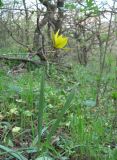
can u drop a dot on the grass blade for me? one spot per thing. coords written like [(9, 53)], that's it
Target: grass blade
[(41, 108), (13, 153), (60, 115)]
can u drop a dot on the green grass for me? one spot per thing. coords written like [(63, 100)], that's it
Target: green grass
[(51, 127)]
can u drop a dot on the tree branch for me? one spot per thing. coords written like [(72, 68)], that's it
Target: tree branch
[(24, 60)]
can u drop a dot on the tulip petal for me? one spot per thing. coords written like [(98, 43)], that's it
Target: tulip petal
[(61, 43), (58, 40)]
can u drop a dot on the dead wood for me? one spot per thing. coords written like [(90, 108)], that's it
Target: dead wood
[(22, 60)]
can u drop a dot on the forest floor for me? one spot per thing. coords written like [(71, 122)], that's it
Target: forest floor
[(86, 131)]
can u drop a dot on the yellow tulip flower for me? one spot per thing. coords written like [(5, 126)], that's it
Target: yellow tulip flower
[(59, 41)]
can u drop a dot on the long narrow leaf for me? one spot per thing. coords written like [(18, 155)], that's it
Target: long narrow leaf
[(13, 153), (60, 115), (41, 108)]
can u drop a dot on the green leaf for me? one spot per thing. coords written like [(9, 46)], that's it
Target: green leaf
[(114, 95), (60, 115), (90, 103), (14, 88), (13, 153), (41, 108), (90, 7), (70, 6), (1, 3), (44, 158), (31, 150)]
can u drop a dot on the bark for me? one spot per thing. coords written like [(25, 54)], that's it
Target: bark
[(51, 22), (27, 23)]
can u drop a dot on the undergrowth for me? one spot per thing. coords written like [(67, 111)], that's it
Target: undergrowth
[(44, 120)]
